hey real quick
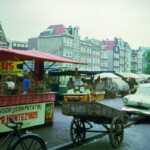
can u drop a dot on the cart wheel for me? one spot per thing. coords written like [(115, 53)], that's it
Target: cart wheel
[(116, 132), (77, 131)]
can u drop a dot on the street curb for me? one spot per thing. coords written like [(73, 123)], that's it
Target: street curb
[(70, 144), (62, 146)]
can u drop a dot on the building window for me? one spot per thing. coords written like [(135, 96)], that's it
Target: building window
[(14, 44), (18, 45)]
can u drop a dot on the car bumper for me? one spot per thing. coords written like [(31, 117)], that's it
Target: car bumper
[(136, 111)]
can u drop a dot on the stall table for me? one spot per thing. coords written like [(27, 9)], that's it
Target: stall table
[(82, 97), (97, 96)]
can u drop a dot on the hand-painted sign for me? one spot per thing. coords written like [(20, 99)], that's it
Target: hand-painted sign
[(30, 114), (11, 67)]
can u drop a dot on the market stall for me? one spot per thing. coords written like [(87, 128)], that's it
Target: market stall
[(114, 85), (60, 77), (83, 90), (35, 108), (83, 93), (132, 79)]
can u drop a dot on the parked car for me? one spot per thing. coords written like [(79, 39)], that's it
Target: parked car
[(138, 103)]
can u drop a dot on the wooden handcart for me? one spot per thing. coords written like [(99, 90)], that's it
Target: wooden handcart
[(112, 120)]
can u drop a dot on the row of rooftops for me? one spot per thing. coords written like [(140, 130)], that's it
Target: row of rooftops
[(56, 30)]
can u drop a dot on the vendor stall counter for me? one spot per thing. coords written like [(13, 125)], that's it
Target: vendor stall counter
[(97, 96), (82, 97), (31, 109)]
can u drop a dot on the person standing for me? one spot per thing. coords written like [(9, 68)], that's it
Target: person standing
[(98, 85), (10, 84), (2, 85), (70, 84), (26, 83)]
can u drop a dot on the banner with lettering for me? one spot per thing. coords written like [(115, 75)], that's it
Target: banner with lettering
[(11, 67), (30, 114)]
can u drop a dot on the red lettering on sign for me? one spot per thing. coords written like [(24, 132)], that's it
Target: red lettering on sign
[(20, 117), (7, 66), (4, 66), (11, 67), (3, 120)]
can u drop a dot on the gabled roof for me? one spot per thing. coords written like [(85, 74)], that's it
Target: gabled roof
[(2, 35), (108, 45), (14, 55), (58, 29)]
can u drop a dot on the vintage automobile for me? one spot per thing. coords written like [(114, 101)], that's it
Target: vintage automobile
[(138, 103)]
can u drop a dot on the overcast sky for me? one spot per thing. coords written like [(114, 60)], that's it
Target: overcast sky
[(100, 19)]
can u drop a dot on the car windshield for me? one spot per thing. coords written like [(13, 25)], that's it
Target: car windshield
[(143, 90)]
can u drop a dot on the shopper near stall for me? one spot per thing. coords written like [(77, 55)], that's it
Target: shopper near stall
[(110, 91), (9, 87), (98, 85), (70, 84), (1, 85), (78, 82), (26, 83), (108, 84), (133, 85), (9, 83)]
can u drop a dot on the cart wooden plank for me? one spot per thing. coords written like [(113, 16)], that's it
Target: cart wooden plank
[(94, 109)]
